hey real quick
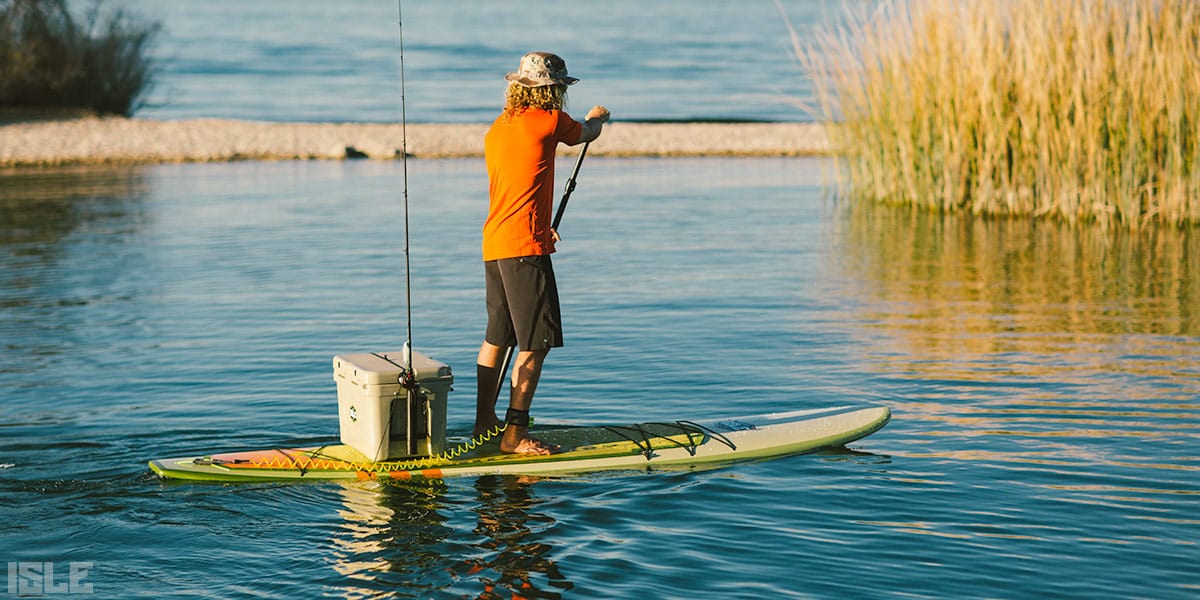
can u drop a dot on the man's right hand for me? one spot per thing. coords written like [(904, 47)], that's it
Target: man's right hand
[(598, 112), (593, 123)]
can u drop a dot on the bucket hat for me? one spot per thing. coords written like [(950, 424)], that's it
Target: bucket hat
[(538, 69)]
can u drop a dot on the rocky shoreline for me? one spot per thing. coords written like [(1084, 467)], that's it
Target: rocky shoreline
[(92, 140)]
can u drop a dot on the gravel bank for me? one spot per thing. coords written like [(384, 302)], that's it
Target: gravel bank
[(131, 141)]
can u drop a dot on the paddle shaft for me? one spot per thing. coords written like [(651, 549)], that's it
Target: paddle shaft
[(508, 352), (558, 219), (562, 206)]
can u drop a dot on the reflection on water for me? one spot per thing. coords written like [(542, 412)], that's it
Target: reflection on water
[(1012, 278), (54, 223), (41, 208), (1067, 354), (391, 537), (981, 300), (399, 538), (514, 562)]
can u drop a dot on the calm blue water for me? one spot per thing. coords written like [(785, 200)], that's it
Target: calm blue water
[(1044, 384), (1044, 380), (282, 60)]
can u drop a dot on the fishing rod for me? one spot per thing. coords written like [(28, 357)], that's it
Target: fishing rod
[(404, 163), (408, 376)]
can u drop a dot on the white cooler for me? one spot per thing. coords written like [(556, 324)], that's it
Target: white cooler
[(373, 407)]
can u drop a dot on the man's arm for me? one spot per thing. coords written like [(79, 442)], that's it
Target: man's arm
[(593, 123)]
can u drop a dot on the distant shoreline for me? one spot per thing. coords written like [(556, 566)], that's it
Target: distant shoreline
[(112, 140)]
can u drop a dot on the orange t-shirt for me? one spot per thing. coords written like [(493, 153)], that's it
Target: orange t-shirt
[(519, 153)]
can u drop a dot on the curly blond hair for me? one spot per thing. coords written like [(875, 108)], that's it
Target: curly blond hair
[(517, 98)]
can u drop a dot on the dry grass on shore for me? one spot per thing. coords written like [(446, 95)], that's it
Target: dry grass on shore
[(1083, 110)]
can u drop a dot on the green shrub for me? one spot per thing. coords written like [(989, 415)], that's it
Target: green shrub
[(49, 59), (1084, 110)]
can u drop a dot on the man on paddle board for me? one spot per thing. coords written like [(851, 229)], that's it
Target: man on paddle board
[(522, 295)]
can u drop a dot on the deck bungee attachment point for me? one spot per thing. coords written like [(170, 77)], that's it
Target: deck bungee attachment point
[(694, 434)]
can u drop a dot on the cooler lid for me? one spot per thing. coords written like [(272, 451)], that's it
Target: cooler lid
[(382, 368)]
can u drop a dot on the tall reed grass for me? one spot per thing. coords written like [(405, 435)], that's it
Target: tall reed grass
[(1084, 110), (49, 58)]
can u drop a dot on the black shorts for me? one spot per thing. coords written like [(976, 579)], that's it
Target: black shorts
[(522, 303)]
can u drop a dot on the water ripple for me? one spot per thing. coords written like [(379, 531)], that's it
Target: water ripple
[(1045, 412)]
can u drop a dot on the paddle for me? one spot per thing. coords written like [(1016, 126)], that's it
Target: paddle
[(562, 206)]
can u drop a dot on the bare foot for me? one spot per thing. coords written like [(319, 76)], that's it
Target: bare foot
[(516, 441), (530, 446)]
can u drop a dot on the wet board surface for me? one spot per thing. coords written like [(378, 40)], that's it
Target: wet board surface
[(583, 449)]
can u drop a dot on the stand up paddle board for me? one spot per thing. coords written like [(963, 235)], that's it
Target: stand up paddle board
[(583, 450)]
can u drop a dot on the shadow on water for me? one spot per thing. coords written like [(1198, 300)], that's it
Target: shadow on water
[(399, 538)]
